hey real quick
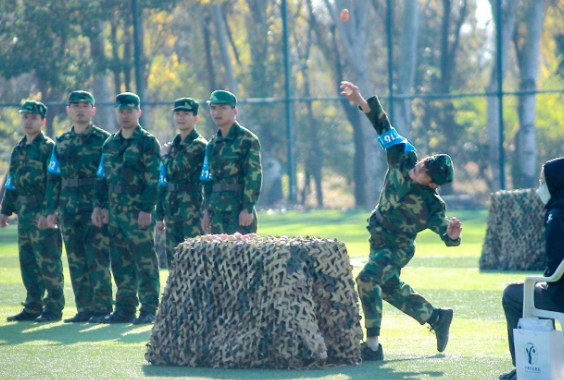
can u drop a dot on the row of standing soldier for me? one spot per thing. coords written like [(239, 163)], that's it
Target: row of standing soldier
[(103, 189), (126, 193)]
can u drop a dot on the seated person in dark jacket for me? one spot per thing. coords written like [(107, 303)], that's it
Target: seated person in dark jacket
[(548, 296)]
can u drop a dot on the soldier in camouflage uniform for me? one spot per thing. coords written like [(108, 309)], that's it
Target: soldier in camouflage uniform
[(409, 203), (72, 174), (232, 171), (180, 189), (39, 246), (129, 175)]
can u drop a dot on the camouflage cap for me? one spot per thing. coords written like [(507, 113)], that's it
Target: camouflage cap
[(81, 96), (186, 104), (127, 100), (33, 106), (223, 97), (440, 168)]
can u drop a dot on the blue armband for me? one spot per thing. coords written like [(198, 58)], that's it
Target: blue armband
[(100, 172), (206, 173), (162, 175), (408, 147), (391, 138), (10, 183), (54, 167)]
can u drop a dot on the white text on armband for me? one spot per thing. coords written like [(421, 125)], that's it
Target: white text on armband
[(54, 167), (162, 175), (390, 138)]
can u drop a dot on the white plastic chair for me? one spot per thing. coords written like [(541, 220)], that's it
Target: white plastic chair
[(529, 309)]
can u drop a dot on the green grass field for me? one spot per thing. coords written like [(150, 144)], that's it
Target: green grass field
[(445, 276)]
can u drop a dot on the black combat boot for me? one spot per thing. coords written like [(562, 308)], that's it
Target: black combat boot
[(80, 317), (98, 317), (48, 316), (23, 316), (368, 354), (144, 318), (511, 375), (119, 316), (442, 318)]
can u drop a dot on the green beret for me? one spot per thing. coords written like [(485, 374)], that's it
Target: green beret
[(81, 96), (223, 97), (440, 168), (186, 104), (32, 106), (127, 100)]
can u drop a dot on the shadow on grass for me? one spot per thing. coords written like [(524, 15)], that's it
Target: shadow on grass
[(370, 370), (63, 334)]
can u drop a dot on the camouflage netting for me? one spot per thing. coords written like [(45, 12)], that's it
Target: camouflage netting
[(515, 235), (248, 301)]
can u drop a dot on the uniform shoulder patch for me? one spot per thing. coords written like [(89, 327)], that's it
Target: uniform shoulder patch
[(101, 132), (247, 132), (62, 137)]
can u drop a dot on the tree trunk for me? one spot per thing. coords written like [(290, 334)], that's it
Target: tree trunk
[(143, 74), (116, 61), (100, 85), (354, 37), (52, 110), (529, 68), (261, 86), (210, 66), (207, 46), (221, 35), (508, 18), (314, 161), (126, 61), (407, 63), (354, 117), (447, 119)]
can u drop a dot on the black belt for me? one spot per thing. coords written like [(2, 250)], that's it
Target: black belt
[(386, 224), (219, 187), (30, 198), (118, 189), (177, 187), (78, 182)]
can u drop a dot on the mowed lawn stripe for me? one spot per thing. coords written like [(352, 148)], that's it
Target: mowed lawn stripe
[(448, 277)]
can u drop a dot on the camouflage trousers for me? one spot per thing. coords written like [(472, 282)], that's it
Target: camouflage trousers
[(89, 263), (134, 262), (228, 223), (41, 266), (177, 231), (380, 280)]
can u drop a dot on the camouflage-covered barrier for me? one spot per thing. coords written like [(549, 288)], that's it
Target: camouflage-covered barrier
[(248, 301), (515, 234)]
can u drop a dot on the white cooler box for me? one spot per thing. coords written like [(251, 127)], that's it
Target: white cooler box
[(539, 350)]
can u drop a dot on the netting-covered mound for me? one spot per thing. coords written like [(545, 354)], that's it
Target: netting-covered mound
[(515, 234), (248, 301)]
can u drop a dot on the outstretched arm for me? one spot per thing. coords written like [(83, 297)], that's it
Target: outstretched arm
[(352, 93), (374, 112), (397, 147)]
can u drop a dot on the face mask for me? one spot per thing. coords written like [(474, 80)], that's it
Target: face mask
[(543, 193)]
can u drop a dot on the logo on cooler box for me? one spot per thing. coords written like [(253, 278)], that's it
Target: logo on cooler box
[(532, 358)]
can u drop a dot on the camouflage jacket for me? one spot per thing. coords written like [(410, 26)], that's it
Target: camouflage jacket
[(75, 159), (182, 166), (233, 159), (27, 177), (406, 205), (129, 172)]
